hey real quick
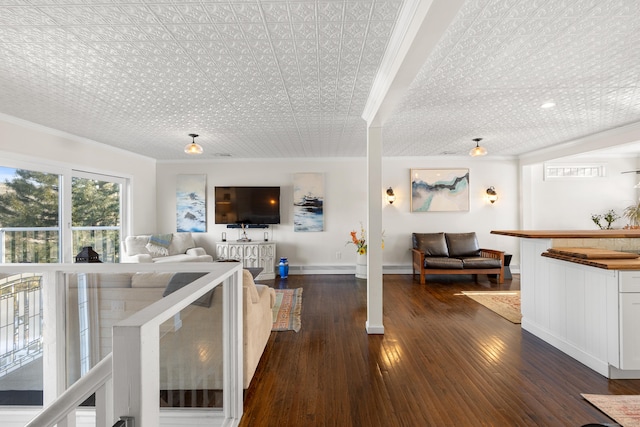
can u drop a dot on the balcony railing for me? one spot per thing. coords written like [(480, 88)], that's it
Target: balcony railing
[(144, 362), (42, 244), (20, 321)]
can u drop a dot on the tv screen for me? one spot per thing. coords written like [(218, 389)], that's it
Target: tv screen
[(247, 205)]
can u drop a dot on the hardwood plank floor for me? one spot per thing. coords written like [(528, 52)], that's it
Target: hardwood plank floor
[(444, 360)]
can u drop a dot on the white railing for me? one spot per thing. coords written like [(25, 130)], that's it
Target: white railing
[(97, 380), (134, 365)]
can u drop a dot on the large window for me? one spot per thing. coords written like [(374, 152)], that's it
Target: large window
[(32, 214), (96, 215)]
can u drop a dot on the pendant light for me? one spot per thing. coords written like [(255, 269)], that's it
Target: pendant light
[(477, 150), (193, 148)]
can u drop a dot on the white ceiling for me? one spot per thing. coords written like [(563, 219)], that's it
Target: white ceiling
[(273, 79)]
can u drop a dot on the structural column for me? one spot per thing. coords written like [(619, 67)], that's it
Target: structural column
[(374, 234)]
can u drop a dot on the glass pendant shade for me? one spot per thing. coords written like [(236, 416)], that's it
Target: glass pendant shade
[(478, 150), (193, 148)]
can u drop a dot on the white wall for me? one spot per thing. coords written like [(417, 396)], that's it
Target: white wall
[(345, 205), (25, 143), (568, 203)]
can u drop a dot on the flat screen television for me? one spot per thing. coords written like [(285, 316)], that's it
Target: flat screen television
[(247, 205)]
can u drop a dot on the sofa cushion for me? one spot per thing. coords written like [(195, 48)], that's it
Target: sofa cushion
[(136, 245), (249, 286), (174, 258), (480, 262), (150, 280), (432, 244), (462, 244), (443, 262), (180, 243)]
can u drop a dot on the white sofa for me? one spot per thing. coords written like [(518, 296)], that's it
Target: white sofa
[(180, 248), (191, 354)]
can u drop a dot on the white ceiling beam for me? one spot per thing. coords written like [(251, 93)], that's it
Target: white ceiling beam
[(611, 138), (420, 27)]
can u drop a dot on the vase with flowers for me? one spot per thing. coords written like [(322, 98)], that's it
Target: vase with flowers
[(361, 251), (360, 242)]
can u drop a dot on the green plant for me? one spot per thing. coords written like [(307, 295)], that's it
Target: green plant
[(596, 218), (610, 217)]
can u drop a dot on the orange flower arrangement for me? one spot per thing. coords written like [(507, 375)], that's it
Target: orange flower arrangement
[(361, 242)]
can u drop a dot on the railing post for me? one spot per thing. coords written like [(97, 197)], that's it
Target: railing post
[(136, 363)]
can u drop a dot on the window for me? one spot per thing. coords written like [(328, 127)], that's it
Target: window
[(32, 213), (559, 171), (96, 213), (29, 216)]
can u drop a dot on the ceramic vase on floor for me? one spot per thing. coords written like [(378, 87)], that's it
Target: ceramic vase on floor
[(361, 266)]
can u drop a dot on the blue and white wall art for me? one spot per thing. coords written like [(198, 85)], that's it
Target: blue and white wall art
[(439, 190), (308, 202), (191, 203)]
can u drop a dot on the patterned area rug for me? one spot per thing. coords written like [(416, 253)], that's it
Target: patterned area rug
[(625, 410), (504, 303), (286, 311)]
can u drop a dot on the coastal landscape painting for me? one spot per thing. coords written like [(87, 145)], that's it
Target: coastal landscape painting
[(191, 203), (439, 190), (308, 202)]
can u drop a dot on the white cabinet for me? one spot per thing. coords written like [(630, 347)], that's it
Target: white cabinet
[(589, 313), (629, 319), (251, 254)]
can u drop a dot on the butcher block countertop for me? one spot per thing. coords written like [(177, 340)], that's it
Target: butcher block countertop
[(570, 234), (594, 257)]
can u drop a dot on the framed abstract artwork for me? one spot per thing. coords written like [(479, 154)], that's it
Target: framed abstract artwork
[(191, 203), (308, 202), (439, 190)]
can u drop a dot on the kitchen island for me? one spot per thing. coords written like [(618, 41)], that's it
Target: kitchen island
[(585, 302)]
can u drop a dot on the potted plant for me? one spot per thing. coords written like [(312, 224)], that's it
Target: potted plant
[(632, 213)]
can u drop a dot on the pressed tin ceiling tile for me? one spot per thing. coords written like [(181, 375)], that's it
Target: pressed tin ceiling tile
[(291, 78)]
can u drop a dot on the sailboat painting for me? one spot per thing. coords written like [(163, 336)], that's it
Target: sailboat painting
[(439, 190), (191, 203), (308, 202)]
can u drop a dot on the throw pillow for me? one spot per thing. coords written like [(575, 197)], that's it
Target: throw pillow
[(159, 244), (180, 280)]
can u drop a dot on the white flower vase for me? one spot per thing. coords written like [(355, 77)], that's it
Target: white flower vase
[(361, 266)]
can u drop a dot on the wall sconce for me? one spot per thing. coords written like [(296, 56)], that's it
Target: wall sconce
[(492, 196), (391, 197)]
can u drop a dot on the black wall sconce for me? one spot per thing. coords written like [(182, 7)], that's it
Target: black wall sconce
[(391, 197), (492, 196)]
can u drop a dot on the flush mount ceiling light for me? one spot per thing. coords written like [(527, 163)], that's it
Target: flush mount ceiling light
[(193, 148), (477, 150)]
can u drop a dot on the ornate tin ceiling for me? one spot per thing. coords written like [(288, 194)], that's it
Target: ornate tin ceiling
[(274, 79)]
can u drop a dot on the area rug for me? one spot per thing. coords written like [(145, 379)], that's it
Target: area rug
[(504, 303), (286, 311), (625, 409)]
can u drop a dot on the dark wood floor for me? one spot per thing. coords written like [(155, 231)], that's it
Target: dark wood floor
[(444, 360)]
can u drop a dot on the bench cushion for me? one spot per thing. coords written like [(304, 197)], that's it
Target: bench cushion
[(462, 244), (432, 244), (480, 262), (443, 263)]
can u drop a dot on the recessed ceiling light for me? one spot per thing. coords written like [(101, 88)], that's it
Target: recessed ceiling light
[(548, 104)]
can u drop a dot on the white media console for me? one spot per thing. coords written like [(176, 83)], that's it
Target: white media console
[(251, 254)]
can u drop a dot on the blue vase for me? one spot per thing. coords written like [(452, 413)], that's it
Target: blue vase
[(284, 268)]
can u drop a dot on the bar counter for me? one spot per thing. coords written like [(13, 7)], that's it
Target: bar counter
[(580, 292)]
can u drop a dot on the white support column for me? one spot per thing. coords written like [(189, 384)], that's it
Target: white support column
[(374, 234)]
